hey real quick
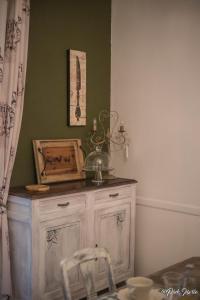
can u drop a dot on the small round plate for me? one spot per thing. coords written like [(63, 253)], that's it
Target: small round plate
[(37, 188)]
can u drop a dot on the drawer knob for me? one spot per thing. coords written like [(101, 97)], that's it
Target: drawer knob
[(63, 204), (114, 195)]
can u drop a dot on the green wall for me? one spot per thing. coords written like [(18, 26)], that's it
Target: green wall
[(56, 26)]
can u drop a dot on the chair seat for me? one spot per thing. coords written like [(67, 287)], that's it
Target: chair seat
[(110, 296)]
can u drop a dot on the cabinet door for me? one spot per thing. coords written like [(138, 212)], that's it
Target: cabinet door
[(60, 238), (112, 231)]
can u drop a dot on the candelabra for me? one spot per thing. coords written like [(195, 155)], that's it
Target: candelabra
[(114, 139)]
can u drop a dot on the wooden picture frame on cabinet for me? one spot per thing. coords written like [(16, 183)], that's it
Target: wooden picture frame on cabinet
[(58, 160)]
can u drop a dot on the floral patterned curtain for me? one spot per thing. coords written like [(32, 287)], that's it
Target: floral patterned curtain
[(14, 30)]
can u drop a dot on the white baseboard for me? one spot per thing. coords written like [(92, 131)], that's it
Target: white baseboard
[(169, 206)]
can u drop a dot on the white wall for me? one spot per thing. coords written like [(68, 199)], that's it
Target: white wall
[(155, 85)]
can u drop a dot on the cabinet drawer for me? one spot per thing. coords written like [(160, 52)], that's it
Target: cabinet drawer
[(61, 204), (113, 194)]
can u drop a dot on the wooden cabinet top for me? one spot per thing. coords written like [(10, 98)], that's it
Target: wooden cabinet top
[(69, 187)]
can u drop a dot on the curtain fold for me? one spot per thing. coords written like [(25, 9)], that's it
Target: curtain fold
[(14, 31)]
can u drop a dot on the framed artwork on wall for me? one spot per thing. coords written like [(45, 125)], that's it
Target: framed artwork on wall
[(76, 88), (58, 160)]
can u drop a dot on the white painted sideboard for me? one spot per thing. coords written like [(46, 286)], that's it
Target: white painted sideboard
[(47, 227)]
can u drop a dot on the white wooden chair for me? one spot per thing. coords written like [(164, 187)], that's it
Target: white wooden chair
[(84, 259)]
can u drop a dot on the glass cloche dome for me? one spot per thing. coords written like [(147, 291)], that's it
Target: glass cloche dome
[(97, 161)]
